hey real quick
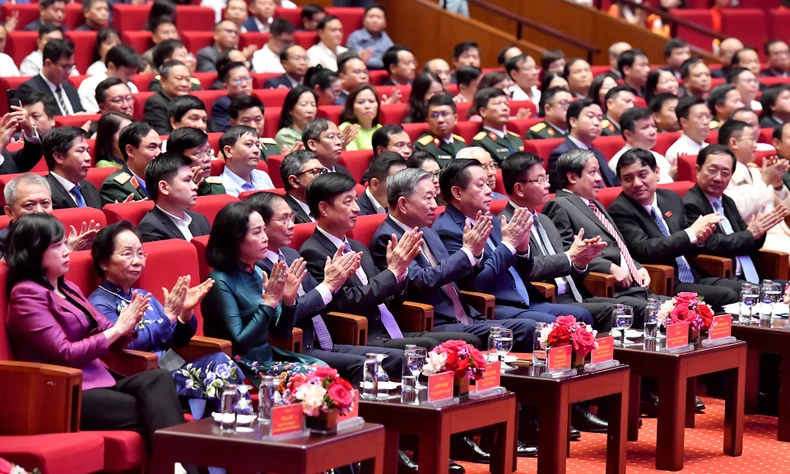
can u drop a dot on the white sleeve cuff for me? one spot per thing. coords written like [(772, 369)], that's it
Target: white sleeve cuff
[(692, 235), (510, 247), (472, 259), (326, 295)]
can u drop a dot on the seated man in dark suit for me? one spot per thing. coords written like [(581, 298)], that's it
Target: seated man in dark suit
[(20, 120), (172, 50), (660, 235), (392, 137), (507, 260), (298, 169), (322, 137), (226, 37), (294, 61), (169, 180), (575, 208), (237, 81), (732, 238), (68, 160), (374, 199), (139, 144), (527, 185), (97, 15), (50, 12), (399, 62), (187, 111), (584, 119), (53, 81), (175, 82)]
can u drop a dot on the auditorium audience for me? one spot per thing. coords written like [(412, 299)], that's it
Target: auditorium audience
[(553, 79), (68, 162), (525, 74), (428, 163), (329, 47), (297, 170), (193, 143), (186, 111), (97, 15), (323, 138), (139, 144), (371, 36), (392, 138), (106, 153), (107, 39), (237, 81), (162, 29), (747, 58), (553, 61), (327, 86), (439, 67), (676, 52), (727, 49), (310, 16), (465, 54), (248, 110), (261, 16), (267, 59), (51, 12), (240, 147), (577, 73), (775, 102), (748, 86), (235, 11), (749, 117), (722, 102), (599, 86), (32, 64), (634, 68), (298, 110), (294, 63), (618, 100), (352, 72), (374, 199), (663, 107), (660, 81), (173, 50), (401, 66), (226, 37), (440, 140), (553, 109), (639, 131), (123, 63), (175, 83), (468, 80), (53, 81), (778, 54), (495, 138), (694, 120), (696, 78), (425, 86), (361, 112)]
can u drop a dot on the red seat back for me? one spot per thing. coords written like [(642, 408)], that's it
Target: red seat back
[(82, 272), (302, 232), (130, 211), (76, 216), (393, 113), (96, 176), (330, 112), (497, 206), (750, 25), (141, 41), (609, 145), (378, 76), (76, 120), (357, 162), (21, 43), (521, 126), (160, 272), (306, 39), (200, 243), (139, 103), (277, 191), (366, 227), (350, 17), (5, 344), (664, 141), (415, 130), (467, 130), (274, 162), (210, 206), (687, 168), (271, 120), (543, 148), (499, 187), (679, 187), (517, 105), (84, 46), (197, 40), (703, 18), (7, 83), (607, 195), (271, 97)]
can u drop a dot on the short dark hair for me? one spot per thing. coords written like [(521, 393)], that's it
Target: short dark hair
[(547, 96), (490, 79), (56, 49), (284, 52), (484, 96), (463, 47), (735, 71), (380, 165), (465, 75), (617, 90), (769, 43), (730, 129), (182, 139), (158, 21), (322, 24), (50, 107), (658, 101), (390, 56), (163, 168), (281, 26), (718, 96), (122, 55), (779, 131), (371, 6), (47, 28), (673, 44), (549, 57), (132, 135), (323, 78), (572, 161), (441, 100), (233, 134), (327, 187), (310, 10), (48, 3), (652, 81), (60, 140), (685, 104), (627, 59), (740, 110), (348, 115), (685, 68), (575, 109), (104, 243), (381, 137), (631, 116), (164, 50), (703, 155), (568, 65), (225, 69), (244, 102), (179, 106), (500, 56), (32, 236), (167, 67), (344, 58), (229, 230), (594, 92), (101, 37), (292, 165), (736, 58), (262, 204), (291, 99), (512, 63), (455, 173), (101, 88), (515, 165), (418, 158), (634, 155), (109, 125), (770, 96)]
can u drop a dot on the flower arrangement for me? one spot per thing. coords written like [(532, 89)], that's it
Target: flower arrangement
[(566, 330), (318, 392), (10, 468), (686, 307), (458, 357)]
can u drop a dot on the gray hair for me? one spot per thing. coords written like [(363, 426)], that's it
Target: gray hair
[(572, 161), (403, 183), (472, 152), (292, 165), (313, 130), (29, 179)]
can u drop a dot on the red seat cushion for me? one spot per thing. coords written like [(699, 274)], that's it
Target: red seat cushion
[(123, 450), (75, 453), (703, 18)]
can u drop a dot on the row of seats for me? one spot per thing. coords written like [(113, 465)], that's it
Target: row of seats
[(753, 26)]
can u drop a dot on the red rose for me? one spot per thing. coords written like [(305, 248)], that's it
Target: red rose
[(478, 360), (565, 321), (322, 372), (681, 314), (583, 341), (707, 315), (455, 345), (559, 336), (686, 296), (340, 395)]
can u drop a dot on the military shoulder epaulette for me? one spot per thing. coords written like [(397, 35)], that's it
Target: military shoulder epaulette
[(194, 80), (538, 127), (459, 138), (479, 136), (514, 134), (214, 180), (268, 141), (604, 123), (714, 124), (424, 141), (123, 177)]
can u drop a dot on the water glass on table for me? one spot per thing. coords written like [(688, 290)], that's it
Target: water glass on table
[(749, 297), (539, 353), (413, 362), (624, 319), (504, 344), (492, 355), (370, 376)]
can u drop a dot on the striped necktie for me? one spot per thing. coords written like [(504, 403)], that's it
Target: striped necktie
[(747, 265), (61, 100), (629, 262), (517, 281), (684, 270), (321, 331)]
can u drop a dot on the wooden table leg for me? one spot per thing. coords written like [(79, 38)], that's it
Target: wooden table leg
[(753, 379), (553, 440), (784, 394), (671, 414), (691, 401), (502, 453), (633, 407), (391, 446), (616, 435), (375, 465), (161, 461), (733, 410), (434, 447)]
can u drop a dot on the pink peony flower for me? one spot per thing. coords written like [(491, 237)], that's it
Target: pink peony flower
[(341, 396), (455, 345), (322, 372), (478, 359)]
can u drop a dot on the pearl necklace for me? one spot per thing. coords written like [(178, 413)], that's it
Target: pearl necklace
[(115, 295)]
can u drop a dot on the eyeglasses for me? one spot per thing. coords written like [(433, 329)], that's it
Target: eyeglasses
[(713, 172), (122, 100), (129, 255), (314, 172), (443, 114), (285, 220), (540, 180), (66, 67), (242, 80), (298, 58)]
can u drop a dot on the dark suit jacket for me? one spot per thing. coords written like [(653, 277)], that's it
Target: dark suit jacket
[(389, 82), (155, 113), (37, 84), (426, 282), (609, 178), (156, 225), (23, 160), (36, 25), (207, 59), (569, 214), (344, 170), (301, 216), (769, 122), (353, 297), (546, 268), (740, 242), (220, 114), (643, 237), (772, 73), (61, 199), (278, 81), (250, 25), (366, 206)]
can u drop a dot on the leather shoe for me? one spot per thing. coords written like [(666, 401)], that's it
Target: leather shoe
[(584, 420), (699, 407), (405, 463), (526, 451), (574, 434), (648, 405), (456, 468), (464, 448)]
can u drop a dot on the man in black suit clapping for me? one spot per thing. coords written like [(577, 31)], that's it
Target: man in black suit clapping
[(68, 160)]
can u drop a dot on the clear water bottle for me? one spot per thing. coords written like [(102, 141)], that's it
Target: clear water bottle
[(370, 377), (767, 296), (382, 385), (749, 299), (493, 355)]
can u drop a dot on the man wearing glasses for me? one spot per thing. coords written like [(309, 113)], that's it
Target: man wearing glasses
[(440, 140), (297, 170), (53, 79), (237, 81), (123, 62), (226, 37)]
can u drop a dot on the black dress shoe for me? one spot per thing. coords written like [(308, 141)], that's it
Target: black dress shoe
[(584, 420), (574, 434), (464, 448), (456, 468), (699, 407), (526, 451), (648, 405), (405, 463)]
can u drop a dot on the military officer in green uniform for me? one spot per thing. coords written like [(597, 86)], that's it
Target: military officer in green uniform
[(440, 140), (268, 148), (554, 108), (139, 144), (248, 110), (618, 100), (492, 105), (211, 186)]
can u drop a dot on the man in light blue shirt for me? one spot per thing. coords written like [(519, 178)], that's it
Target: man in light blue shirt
[(371, 36), (240, 147)]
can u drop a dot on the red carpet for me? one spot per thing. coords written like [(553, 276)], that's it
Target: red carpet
[(762, 453)]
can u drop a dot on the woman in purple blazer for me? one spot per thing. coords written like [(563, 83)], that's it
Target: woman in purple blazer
[(50, 321)]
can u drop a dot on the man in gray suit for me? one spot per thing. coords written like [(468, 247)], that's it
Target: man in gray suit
[(527, 185), (226, 37)]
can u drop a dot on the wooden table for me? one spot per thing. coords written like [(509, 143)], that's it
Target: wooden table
[(676, 374), (771, 336), (432, 426), (554, 397), (202, 443)]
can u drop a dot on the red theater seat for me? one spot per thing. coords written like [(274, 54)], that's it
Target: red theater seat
[(5, 84), (271, 120), (271, 97), (77, 453), (377, 77), (390, 114), (664, 141), (139, 103), (366, 227), (123, 450), (498, 205), (302, 232), (247, 194), (21, 43), (306, 39), (188, 17), (750, 25), (274, 163), (210, 206), (196, 40), (609, 145), (96, 176), (517, 105), (543, 148), (416, 129), (129, 211), (330, 112), (75, 120), (467, 130), (200, 243), (522, 126), (357, 162), (160, 271), (141, 41), (679, 187), (607, 195), (687, 168), (701, 17), (778, 20), (84, 47)]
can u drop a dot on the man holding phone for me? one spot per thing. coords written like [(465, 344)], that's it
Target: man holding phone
[(18, 120)]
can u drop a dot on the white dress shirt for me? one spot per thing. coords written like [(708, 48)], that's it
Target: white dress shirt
[(7, 66), (304, 207), (683, 146), (663, 163), (33, 63), (233, 183), (182, 224), (66, 102), (87, 92), (322, 289), (517, 93), (379, 208), (360, 273), (266, 61), (751, 194), (425, 247), (321, 54), (98, 68)]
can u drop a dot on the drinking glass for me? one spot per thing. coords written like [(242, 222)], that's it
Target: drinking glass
[(749, 299), (770, 295), (624, 318), (383, 389), (538, 346), (245, 414), (504, 343), (268, 397), (370, 380), (413, 361), (651, 319), (230, 396), (492, 353), (421, 354)]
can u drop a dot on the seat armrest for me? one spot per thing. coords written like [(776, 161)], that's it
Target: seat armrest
[(600, 284), (293, 343), (546, 289), (39, 398), (772, 264), (200, 346), (347, 328), (662, 279), (129, 362), (415, 317), (714, 266), (484, 303)]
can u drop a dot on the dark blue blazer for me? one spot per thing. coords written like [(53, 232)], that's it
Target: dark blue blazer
[(278, 81), (366, 207), (609, 178), (250, 25), (220, 114), (425, 282), (495, 277), (36, 25)]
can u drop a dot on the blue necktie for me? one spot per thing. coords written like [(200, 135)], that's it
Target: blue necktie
[(520, 287), (78, 195), (684, 271), (749, 271)]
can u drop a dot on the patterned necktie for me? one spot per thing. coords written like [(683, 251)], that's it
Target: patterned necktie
[(684, 270), (449, 288), (78, 195), (321, 331), (543, 240), (629, 262), (749, 271), (520, 287), (387, 319), (61, 101)]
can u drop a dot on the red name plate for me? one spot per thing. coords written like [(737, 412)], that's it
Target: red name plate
[(490, 377), (354, 408), (677, 335), (605, 351), (287, 419), (440, 386), (721, 327), (560, 357)]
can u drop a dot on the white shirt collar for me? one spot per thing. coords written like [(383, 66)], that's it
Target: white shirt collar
[(261, 26), (578, 143), (273, 256), (236, 178), (337, 242), (499, 133), (177, 220), (67, 185), (401, 224), (690, 143), (654, 204), (379, 208), (304, 206), (586, 201)]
